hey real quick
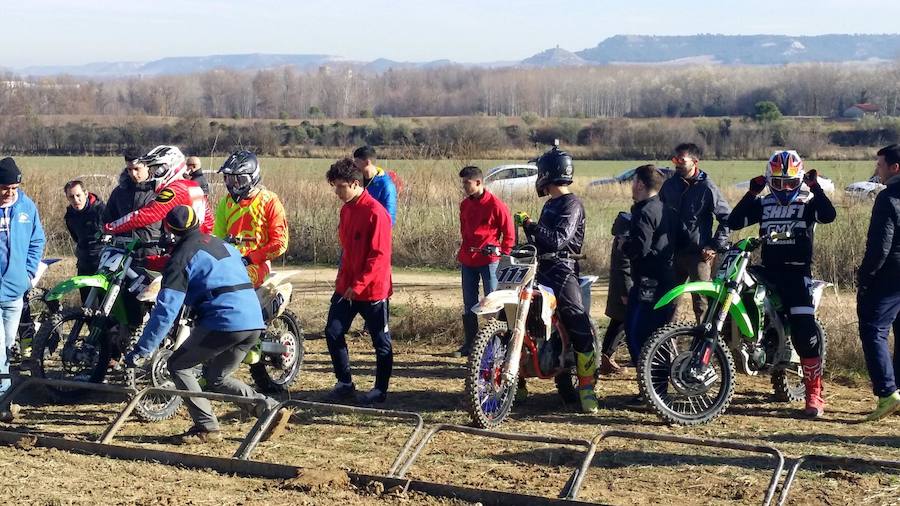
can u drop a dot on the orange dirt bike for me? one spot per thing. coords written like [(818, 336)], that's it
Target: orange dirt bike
[(537, 345)]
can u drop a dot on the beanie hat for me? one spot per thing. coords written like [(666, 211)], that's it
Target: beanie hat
[(182, 219), (9, 172)]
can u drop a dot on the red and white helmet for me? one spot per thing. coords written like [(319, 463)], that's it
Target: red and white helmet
[(166, 164), (784, 174)]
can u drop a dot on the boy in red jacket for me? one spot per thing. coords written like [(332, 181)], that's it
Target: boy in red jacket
[(363, 283), (484, 220)]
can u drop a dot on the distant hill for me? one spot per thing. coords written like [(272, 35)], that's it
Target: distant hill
[(631, 49), (555, 57), (744, 49)]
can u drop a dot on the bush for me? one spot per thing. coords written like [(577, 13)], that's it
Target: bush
[(766, 111)]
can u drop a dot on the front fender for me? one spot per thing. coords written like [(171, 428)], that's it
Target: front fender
[(76, 282), (713, 290), (496, 301)]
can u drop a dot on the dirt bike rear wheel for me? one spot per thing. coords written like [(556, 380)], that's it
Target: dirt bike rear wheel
[(490, 398), (675, 395), (79, 361), (276, 373), (787, 382)]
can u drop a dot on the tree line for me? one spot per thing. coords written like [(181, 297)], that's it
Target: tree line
[(582, 92)]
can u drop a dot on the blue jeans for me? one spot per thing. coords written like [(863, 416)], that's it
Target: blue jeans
[(10, 312), (642, 320), (470, 278), (877, 309)]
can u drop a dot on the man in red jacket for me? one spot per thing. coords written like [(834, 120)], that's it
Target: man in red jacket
[(363, 283), (168, 169), (484, 220)]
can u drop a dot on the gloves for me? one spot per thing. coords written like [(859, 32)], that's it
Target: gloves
[(246, 261), (811, 178), (757, 185), (521, 218), (133, 360)]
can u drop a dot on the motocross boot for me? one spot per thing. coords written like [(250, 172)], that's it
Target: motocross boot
[(585, 367), (812, 379)]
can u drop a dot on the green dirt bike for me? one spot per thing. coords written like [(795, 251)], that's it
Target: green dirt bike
[(77, 343), (686, 371)]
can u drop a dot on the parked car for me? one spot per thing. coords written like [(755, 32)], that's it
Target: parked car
[(511, 178), (864, 190), (826, 184), (626, 177)]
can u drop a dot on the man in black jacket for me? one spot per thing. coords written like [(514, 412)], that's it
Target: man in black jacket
[(84, 221), (558, 236), (653, 235), (787, 263), (878, 296), (696, 200), (135, 191)]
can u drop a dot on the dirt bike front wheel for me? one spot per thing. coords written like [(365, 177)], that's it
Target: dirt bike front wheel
[(489, 396), (678, 394)]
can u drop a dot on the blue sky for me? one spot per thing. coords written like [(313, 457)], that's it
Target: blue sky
[(42, 32)]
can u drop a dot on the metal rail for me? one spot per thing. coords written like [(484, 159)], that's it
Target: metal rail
[(258, 469), (668, 438), (574, 480), (27, 383), (830, 461), (252, 439), (120, 420)]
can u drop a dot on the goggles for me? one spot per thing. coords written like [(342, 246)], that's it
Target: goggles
[(237, 180), (781, 183)]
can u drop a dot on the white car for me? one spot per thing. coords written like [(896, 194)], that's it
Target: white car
[(511, 178), (826, 184), (865, 190)]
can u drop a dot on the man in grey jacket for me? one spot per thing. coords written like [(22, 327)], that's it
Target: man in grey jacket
[(697, 201)]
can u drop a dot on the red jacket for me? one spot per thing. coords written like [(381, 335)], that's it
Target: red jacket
[(365, 235), (180, 192), (484, 220)]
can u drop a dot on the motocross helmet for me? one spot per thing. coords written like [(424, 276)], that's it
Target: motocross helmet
[(241, 171), (554, 167), (166, 164), (784, 175)]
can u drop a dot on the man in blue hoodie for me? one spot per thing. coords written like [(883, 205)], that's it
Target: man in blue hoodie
[(376, 180), (21, 247)]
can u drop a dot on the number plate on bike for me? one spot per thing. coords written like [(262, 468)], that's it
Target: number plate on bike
[(512, 274), (728, 260), (111, 259)]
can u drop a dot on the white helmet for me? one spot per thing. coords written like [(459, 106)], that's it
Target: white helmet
[(166, 164)]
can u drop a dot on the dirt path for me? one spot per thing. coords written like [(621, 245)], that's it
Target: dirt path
[(428, 381)]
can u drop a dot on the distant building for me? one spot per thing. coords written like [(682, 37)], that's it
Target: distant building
[(858, 111)]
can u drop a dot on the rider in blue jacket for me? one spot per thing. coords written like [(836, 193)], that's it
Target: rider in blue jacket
[(207, 275)]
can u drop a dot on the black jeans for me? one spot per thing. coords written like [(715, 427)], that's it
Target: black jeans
[(222, 352), (562, 278), (375, 314)]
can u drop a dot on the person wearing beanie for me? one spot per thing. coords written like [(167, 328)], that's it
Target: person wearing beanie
[(21, 247), (207, 275)]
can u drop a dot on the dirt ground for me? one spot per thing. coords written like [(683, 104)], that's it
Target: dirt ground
[(427, 380)]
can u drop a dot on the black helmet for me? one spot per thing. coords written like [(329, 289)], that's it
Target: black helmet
[(241, 171), (554, 167)]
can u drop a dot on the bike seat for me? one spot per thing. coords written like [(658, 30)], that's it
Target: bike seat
[(760, 275)]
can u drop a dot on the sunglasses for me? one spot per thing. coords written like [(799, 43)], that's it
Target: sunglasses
[(780, 183), (682, 159)]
